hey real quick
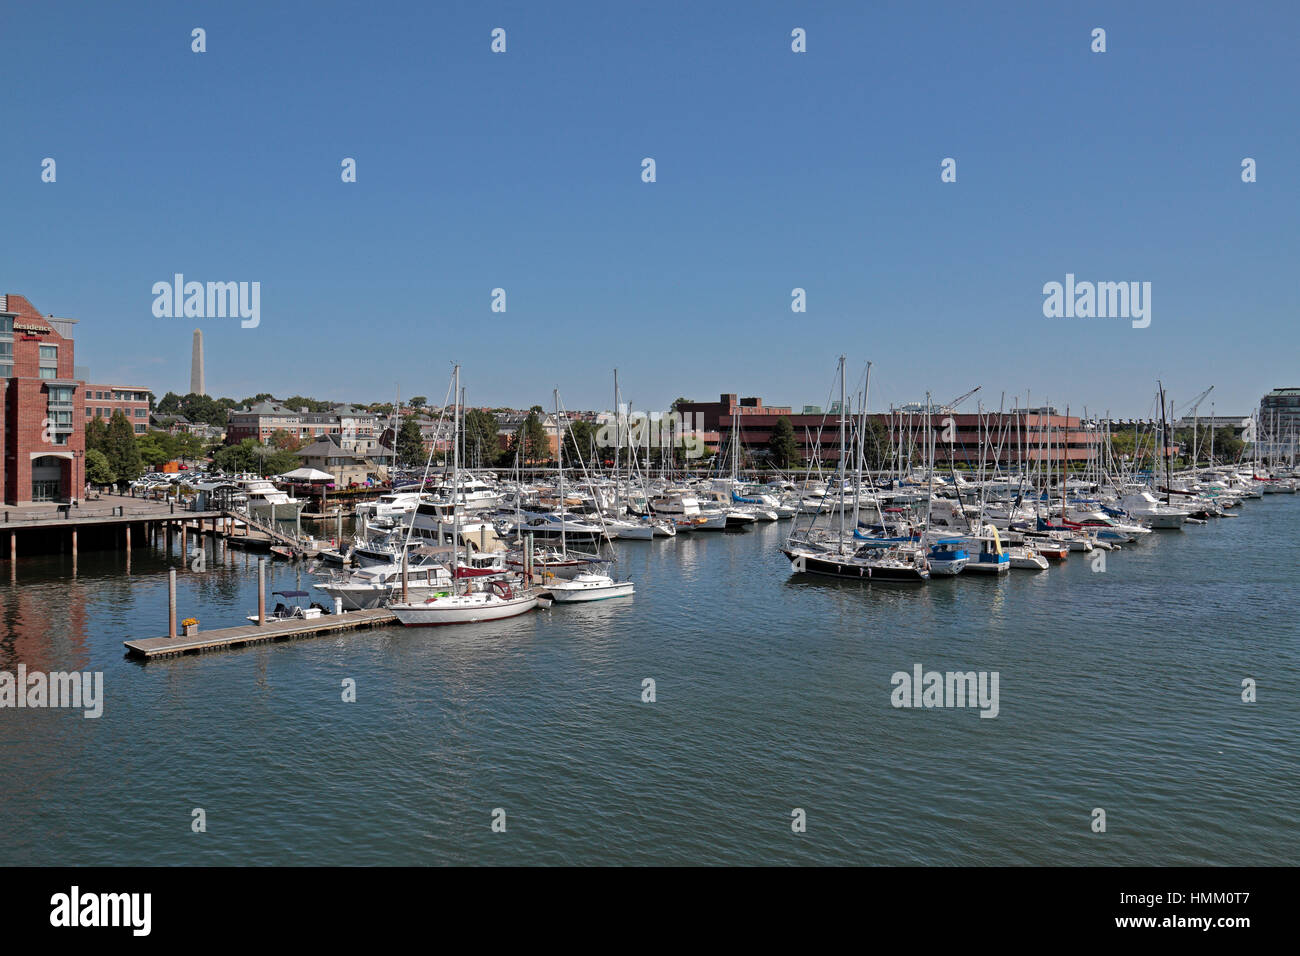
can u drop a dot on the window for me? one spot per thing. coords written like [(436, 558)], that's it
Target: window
[(139, 428), (89, 411), (141, 412), (49, 353), (49, 371)]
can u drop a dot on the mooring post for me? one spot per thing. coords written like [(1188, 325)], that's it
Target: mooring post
[(74, 542), (171, 603), (261, 591), (185, 549), (128, 539)]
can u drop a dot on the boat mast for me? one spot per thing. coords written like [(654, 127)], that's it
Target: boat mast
[(1164, 438), (843, 426), (455, 480), (559, 467)]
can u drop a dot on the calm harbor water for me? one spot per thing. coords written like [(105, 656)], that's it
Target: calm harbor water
[(1119, 690)]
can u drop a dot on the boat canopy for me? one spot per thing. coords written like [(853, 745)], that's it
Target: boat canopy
[(290, 593)]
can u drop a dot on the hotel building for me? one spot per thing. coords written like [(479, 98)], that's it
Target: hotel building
[(43, 442)]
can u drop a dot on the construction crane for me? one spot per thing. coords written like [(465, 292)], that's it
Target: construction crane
[(962, 397), (1195, 403), (1192, 406)]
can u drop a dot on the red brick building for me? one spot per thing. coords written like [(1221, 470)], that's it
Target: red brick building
[(102, 401), (1008, 438), (43, 443)]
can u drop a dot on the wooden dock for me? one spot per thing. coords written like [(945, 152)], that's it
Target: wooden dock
[(150, 648)]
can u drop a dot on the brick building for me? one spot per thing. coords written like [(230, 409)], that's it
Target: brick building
[(102, 401), (43, 410), (1008, 438), (355, 429)]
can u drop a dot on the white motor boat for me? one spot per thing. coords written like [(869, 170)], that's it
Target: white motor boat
[(1026, 559), (1146, 507), (588, 586)]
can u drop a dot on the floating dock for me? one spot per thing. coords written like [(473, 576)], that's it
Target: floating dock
[(151, 648)]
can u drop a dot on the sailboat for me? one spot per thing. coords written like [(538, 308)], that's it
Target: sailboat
[(479, 601), (841, 558), (586, 585)]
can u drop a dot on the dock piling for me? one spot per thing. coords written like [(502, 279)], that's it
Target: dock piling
[(171, 604), (261, 591)]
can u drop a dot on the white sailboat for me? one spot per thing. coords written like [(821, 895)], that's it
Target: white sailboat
[(586, 585), (488, 601)]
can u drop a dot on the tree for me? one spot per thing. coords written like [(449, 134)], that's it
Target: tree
[(410, 443), (419, 401), (151, 451), (257, 399), (284, 441), (236, 458), (580, 442), (122, 450), (97, 434), (782, 445), (480, 436), (98, 470), (189, 446), (279, 461), (169, 404), (537, 443), (311, 404)]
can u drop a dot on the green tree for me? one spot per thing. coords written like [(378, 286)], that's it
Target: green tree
[(97, 434), (537, 443), (419, 401), (782, 445), (480, 437), (98, 470), (279, 461), (311, 404), (122, 449), (151, 451), (580, 442), (241, 457), (188, 446), (169, 404), (410, 443), (284, 441)]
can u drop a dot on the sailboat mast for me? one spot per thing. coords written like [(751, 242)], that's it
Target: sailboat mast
[(843, 426), (455, 479), (559, 467)]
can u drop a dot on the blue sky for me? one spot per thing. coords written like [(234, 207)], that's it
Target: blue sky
[(775, 170)]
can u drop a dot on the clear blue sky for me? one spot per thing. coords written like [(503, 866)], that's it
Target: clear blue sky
[(775, 170)]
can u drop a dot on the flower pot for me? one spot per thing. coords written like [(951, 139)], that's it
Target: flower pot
[(191, 629)]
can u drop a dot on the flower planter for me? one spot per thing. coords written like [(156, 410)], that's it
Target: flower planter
[(191, 630)]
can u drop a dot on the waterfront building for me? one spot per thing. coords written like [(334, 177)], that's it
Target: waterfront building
[(1008, 438), (347, 467), (1279, 423), (42, 413)]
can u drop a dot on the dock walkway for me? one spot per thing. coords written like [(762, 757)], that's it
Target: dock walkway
[(150, 648)]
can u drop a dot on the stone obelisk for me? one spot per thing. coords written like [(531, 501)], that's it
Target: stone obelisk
[(197, 386)]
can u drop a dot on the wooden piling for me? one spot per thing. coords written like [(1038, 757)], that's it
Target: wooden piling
[(171, 604), (261, 591)]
